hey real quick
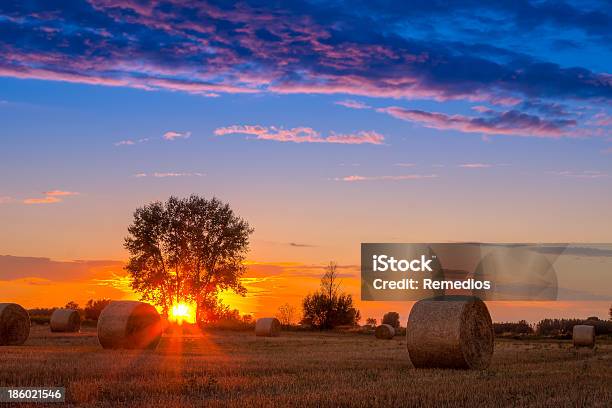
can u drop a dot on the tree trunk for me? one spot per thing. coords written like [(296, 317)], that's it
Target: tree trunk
[(198, 308)]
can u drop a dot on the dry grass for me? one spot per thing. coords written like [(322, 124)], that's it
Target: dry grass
[(302, 369)]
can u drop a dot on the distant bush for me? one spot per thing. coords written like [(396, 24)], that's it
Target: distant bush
[(93, 308), (328, 307), (520, 327), (41, 311), (231, 324), (41, 315), (562, 327), (392, 319), (39, 319)]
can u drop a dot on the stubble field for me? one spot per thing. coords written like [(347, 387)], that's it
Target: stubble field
[(302, 369)]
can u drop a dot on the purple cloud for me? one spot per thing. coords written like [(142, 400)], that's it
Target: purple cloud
[(209, 49), (493, 123)]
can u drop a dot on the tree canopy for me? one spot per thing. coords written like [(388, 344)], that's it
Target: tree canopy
[(328, 307), (187, 250)]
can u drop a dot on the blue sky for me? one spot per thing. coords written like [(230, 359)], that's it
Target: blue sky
[(306, 111)]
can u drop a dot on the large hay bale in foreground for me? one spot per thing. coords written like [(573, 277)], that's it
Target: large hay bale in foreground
[(267, 327), (450, 332), (65, 320), (129, 325), (385, 332), (584, 335), (14, 324)]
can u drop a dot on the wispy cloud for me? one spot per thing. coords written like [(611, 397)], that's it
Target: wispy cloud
[(475, 165), (512, 122), (354, 178), (601, 119), (131, 142), (353, 104), (404, 164), (50, 197), (125, 143), (301, 135), (44, 200), (60, 193), (6, 199), (300, 245), (173, 135), (169, 174), (586, 174)]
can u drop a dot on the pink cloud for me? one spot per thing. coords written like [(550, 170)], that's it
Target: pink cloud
[(481, 109), (602, 119), (51, 197), (585, 174), (495, 123), (350, 103), (169, 174), (354, 178), (172, 135), (5, 199), (475, 166), (56, 193), (44, 200), (301, 135), (124, 143)]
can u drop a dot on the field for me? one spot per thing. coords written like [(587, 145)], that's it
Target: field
[(302, 369)]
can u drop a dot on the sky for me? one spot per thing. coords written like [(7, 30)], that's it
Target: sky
[(324, 124)]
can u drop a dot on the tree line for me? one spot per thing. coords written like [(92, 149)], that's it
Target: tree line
[(91, 310)]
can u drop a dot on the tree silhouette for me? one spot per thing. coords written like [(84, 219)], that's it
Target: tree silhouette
[(93, 308), (187, 250), (286, 314), (72, 305), (328, 307), (392, 319)]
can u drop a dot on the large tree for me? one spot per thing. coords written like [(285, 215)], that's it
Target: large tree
[(187, 250)]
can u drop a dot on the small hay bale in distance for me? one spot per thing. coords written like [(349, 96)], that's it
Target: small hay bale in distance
[(129, 324), (14, 324), (450, 332), (583, 335), (384, 332), (267, 327), (65, 320)]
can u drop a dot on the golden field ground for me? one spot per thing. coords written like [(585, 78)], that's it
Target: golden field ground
[(226, 368)]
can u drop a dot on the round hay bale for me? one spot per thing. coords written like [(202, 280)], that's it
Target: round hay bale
[(584, 335), (129, 325), (267, 327), (385, 332), (65, 320), (450, 332), (14, 324)]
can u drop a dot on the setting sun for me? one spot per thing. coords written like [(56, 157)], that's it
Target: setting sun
[(183, 313)]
